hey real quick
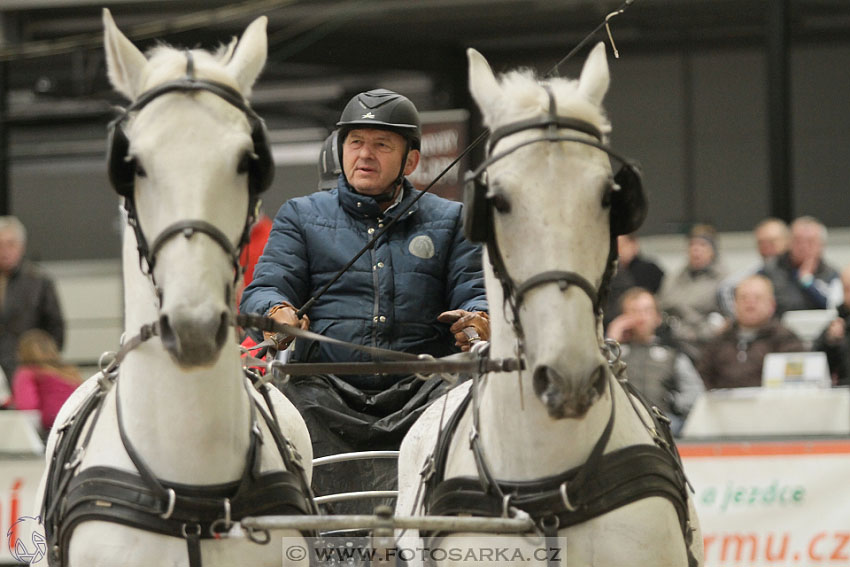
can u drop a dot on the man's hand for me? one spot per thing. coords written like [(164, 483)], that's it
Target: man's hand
[(467, 326), (287, 314), (621, 327), (835, 331)]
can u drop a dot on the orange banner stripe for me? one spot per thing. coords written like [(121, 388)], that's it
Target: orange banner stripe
[(764, 448)]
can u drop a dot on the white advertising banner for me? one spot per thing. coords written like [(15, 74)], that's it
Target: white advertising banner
[(772, 504), (19, 477)]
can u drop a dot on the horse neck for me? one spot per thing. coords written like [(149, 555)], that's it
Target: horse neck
[(187, 425), (514, 421)]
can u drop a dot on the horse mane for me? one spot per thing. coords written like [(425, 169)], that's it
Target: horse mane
[(524, 96), (168, 62)]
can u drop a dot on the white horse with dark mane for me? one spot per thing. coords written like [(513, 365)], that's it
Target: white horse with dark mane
[(565, 442), (154, 460)]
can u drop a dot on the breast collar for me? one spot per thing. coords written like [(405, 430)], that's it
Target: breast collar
[(142, 501), (605, 482)]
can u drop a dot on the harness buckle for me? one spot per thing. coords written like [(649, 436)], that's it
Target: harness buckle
[(660, 415), (565, 498), (76, 459), (169, 509), (473, 436), (252, 535), (429, 468), (195, 533), (224, 523)]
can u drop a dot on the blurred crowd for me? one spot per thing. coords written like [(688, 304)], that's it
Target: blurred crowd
[(705, 328)]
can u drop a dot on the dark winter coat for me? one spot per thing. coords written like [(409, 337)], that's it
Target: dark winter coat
[(30, 302), (728, 362), (392, 295)]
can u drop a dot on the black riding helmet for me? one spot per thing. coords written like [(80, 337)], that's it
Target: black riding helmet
[(384, 110), (329, 164)]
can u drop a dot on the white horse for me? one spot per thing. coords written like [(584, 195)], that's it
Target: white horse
[(554, 207), (188, 157)]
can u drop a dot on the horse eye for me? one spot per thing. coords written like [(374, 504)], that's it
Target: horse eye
[(138, 169), (244, 163), (608, 193), (501, 203)]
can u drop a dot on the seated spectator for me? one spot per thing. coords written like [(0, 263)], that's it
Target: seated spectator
[(734, 359), (772, 237), (665, 375), (689, 300), (42, 381), (835, 340), (633, 270), (800, 276)]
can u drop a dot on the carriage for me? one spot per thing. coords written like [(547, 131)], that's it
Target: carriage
[(171, 456)]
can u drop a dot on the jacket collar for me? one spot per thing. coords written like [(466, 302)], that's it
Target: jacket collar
[(365, 207)]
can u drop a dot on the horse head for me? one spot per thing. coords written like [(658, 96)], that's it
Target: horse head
[(547, 204), (189, 157)]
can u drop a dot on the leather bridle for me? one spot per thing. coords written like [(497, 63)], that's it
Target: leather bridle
[(513, 292)]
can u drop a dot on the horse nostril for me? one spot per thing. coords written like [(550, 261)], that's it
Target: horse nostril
[(221, 332), (167, 334), (541, 380)]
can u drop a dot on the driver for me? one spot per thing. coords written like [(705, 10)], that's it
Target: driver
[(416, 290)]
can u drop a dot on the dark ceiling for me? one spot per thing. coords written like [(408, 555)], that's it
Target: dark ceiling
[(321, 51)]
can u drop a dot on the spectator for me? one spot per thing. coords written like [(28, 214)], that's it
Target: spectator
[(417, 290), (689, 300), (800, 276), (42, 381), (835, 340), (665, 375), (28, 297), (633, 270), (772, 238), (734, 359)]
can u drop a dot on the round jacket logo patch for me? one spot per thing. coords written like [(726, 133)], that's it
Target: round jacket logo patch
[(422, 247)]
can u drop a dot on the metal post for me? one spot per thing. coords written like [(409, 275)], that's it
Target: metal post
[(5, 188), (779, 113), (689, 207)]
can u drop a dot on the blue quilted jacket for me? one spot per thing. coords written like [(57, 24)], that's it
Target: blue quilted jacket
[(391, 296)]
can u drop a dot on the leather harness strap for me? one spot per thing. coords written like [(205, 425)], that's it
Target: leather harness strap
[(605, 482), (192, 513)]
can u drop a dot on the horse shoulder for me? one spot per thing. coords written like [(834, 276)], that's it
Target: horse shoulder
[(293, 428), (419, 443)]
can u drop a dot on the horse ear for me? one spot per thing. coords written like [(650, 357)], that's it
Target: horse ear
[(125, 64), (250, 55), (483, 85), (595, 78)]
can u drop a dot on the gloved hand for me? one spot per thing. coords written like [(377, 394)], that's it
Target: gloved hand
[(285, 313), (467, 326)]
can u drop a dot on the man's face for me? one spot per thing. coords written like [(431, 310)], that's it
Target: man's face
[(754, 303), (806, 243), (643, 311), (11, 250), (771, 240), (700, 253), (845, 282), (371, 159)]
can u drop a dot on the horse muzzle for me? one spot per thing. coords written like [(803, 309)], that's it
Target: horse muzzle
[(564, 398), (194, 336)]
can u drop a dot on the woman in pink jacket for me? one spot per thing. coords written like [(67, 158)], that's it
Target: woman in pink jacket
[(42, 381)]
